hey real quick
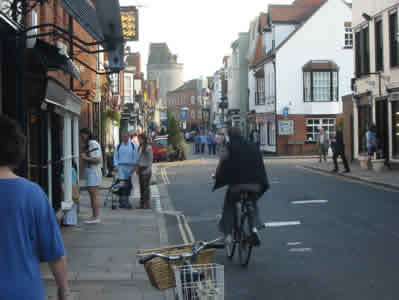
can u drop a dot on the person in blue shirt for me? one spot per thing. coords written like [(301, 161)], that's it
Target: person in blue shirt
[(203, 142), (125, 162), (371, 141), (197, 141), (29, 233)]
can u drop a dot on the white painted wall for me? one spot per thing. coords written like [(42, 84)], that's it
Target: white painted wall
[(321, 38), (371, 7), (252, 90)]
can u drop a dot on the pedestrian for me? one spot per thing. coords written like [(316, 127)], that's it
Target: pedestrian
[(29, 233), (338, 148), (92, 157), (203, 142), (323, 143), (371, 142), (135, 140), (209, 142), (125, 162), (145, 171), (71, 216), (256, 138), (214, 142)]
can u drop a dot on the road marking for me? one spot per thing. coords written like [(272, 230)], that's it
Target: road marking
[(301, 250), (182, 232), (164, 176), (294, 244), (309, 201), (188, 229), (281, 224)]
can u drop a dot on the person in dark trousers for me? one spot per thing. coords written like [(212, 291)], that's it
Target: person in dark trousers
[(145, 171), (338, 148), (241, 168)]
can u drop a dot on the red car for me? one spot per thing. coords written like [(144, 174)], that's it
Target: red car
[(160, 148)]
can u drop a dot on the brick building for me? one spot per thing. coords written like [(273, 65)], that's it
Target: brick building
[(188, 96)]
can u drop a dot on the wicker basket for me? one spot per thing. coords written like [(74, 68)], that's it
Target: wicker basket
[(160, 272)]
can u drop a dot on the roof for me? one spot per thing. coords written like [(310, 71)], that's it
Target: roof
[(159, 54), (131, 59), (188, 85), (315, 65), (297, 12)]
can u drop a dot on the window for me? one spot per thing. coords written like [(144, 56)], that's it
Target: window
[(115, 83), (395, 128), (193, 114), (348, 35), (364, 121), (320, 86), (379, 48), (313, 126), (260, 91), (199, 100), (362, 54), (192, 99), (128, 86), (199, 115), (393, 30)]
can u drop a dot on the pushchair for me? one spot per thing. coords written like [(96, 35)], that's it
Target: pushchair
[(118, 188)]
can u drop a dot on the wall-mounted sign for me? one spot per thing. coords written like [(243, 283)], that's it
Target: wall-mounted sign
[(130, 23), (286, 127), (286, 111), (183, 114)]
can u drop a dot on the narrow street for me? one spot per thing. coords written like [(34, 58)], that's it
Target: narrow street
[(344, 245)]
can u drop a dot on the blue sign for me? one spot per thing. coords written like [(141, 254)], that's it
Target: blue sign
[(183, 114), (285, 112), (164, 122)]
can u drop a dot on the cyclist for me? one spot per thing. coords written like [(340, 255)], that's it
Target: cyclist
[(241, 168)]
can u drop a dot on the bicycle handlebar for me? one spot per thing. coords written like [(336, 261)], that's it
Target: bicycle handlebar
[(195, 251)]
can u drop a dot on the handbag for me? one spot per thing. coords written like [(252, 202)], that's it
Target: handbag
[(76, 193)]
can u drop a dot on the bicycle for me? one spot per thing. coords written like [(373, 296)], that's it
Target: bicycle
[(194, 282), (244, 230)]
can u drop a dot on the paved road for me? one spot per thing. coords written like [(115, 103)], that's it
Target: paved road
[(346, 246)]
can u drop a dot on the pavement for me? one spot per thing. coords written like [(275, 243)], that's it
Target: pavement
[(387, 178), (102, 257)]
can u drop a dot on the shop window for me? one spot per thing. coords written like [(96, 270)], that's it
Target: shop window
[(313, 126), (395, 128)]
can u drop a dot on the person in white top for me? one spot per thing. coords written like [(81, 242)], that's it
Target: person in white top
[(92, 156)]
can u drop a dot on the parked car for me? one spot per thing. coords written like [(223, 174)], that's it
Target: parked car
[(160, 148)]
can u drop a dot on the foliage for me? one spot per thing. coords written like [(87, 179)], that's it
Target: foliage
[(341, 123), (114, 116), (175, 136)]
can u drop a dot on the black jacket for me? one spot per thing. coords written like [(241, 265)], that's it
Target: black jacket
[(338, 146), (244, 165)]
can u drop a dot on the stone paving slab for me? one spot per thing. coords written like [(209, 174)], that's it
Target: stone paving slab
[(102, 257)]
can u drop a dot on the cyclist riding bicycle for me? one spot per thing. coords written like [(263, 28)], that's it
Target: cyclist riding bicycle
[(241, 168)]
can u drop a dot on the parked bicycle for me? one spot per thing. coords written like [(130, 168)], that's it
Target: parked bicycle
[(194, 282)]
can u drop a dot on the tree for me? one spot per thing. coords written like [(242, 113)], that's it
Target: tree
[(174, 134)]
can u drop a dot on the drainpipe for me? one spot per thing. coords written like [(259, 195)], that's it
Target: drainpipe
[(275, 103)]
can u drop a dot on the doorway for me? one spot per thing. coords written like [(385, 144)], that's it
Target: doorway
[(382, 129)]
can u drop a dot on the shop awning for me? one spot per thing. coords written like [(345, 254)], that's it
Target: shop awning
[(59, 96)]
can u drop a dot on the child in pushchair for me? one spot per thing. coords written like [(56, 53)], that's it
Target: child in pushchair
[(122, 189)]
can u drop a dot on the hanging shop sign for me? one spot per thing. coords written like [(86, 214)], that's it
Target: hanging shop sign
[(286, 127), (130, 23)]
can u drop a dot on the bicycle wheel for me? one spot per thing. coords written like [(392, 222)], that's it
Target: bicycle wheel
[(231, 247), (244, 247)]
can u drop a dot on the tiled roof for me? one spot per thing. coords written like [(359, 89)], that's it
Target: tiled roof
[(297, 12), (188, 85)]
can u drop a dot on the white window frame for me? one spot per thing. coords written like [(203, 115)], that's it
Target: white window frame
[(192, 100), (316, 123), (193, 114), (348, 40)]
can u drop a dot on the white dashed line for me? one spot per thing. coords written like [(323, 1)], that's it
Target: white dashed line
[(309, 201), (281, 224), (291, 244), (301, 250)]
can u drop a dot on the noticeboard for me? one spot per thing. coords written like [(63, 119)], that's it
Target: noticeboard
[(286, 127)]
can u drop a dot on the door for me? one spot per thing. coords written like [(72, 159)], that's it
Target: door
[(382, 129)]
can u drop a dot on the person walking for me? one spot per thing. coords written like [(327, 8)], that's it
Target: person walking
[(197, 142), (125, 162), (29, 233), (92, 157), (203, 142), (371, 142), (209, 142), (214, 142), (323, 143), (338, 148), (145, 171)]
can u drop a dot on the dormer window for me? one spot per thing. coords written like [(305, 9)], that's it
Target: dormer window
[(320, 81)]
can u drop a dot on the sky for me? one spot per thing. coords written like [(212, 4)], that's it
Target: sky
[(200, 32)]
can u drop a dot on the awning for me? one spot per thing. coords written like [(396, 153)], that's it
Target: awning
[(59, 96), (85, 15)]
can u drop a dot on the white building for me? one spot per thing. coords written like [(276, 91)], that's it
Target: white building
[(305, 69), (216, 112)]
